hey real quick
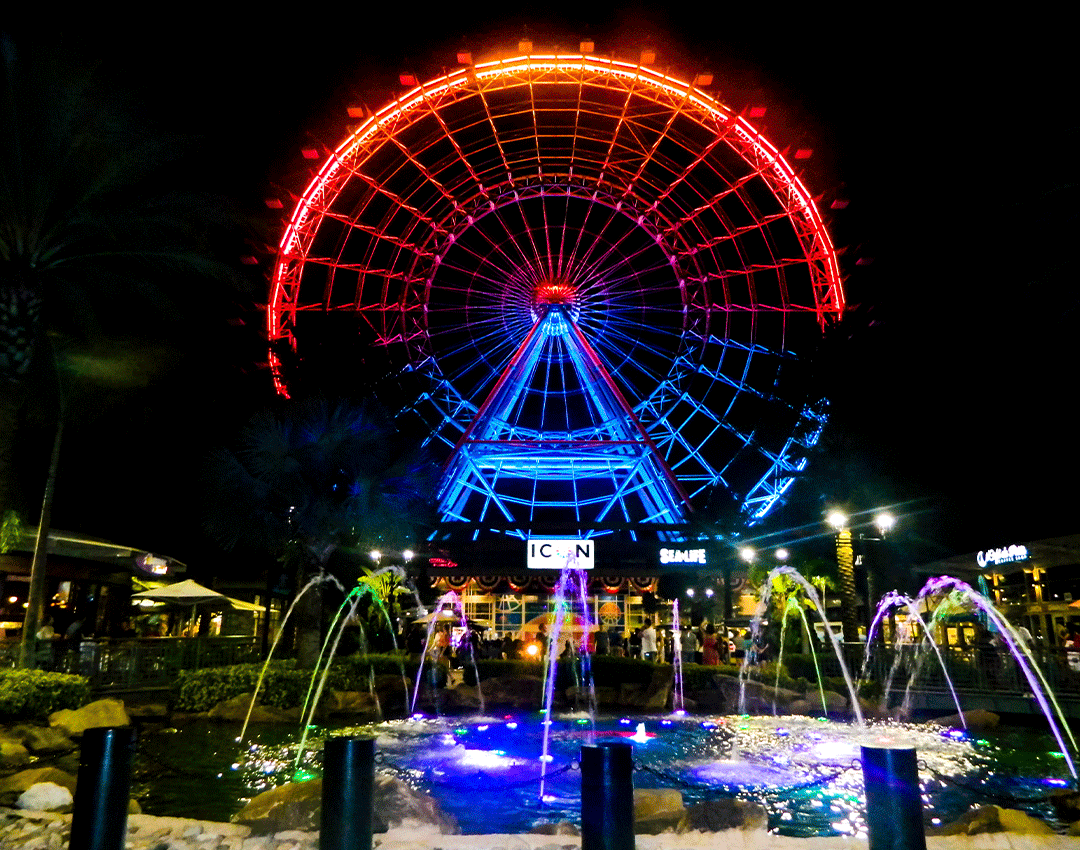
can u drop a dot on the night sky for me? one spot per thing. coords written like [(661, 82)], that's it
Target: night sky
[(951, 140)]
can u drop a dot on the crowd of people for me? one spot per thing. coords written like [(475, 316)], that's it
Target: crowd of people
[(702, 644)]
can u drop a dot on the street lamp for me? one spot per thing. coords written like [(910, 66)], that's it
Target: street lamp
[(845, 564)]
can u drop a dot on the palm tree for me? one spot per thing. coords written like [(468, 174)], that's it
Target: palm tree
[(321, 478), (88, 242)]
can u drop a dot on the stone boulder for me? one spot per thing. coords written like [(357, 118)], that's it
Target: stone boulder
[(149, 711), (513, 691), (102, 712), (13, 753), (712, 701), (294, 805), (1066, 805), (977, 720), (718, 815), (395, 803), (658, 693), (562, 827), (43, 739), (12, 786), (349, 702), (298, 805), (45, 797), (986, 819), (657, 810), (235, 710), (463, 698)]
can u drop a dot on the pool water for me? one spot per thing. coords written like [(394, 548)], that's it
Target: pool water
[(487, 771)]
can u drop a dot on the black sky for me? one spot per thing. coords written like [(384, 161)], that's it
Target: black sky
[(952, 139)]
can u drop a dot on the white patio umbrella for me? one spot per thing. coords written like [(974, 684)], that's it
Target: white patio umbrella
[(186, 592)]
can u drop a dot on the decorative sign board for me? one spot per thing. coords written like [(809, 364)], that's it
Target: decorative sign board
[(558, 554)]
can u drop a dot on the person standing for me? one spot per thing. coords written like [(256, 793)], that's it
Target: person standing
[(648, 642), (689, 646), (709, 654)]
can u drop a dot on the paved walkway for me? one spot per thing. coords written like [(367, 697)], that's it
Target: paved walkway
[(25, 830)]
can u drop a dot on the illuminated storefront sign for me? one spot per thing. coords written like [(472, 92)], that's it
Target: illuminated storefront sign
[(682, 556), (557, 554), (1005, 555)]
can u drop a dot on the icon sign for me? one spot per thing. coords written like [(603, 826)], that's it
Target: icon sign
[(559, 554)]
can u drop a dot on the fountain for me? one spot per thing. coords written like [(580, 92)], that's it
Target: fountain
[(888, 602), (448, 602), (755, 629), (573, 582), (678, 705), (800, 768), (792, 604)]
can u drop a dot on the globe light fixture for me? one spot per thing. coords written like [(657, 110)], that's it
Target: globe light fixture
[(885, 522), (837, 519)]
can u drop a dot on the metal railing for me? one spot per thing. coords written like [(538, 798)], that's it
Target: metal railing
[(127, 664)]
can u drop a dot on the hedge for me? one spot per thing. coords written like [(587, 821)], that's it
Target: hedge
[(38, 693), (283, 686)]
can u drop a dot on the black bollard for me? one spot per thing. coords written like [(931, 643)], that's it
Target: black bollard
[(893, 802), (99, 816), (607, 796), (347, 789)]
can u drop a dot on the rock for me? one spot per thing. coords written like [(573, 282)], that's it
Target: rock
[(992, 819), (657, 810), (12, 786), (13, 753), (977, 720), (1074, 828), (463, 697), (394, 802), (43, 739), (718, 815), (349, 702), (102, 712), (631, 694), (513, 691), (294, 805), (1066, 805), (1016, 822), (563, 827), (297, 805), (836, 703), (658, 693), (149, 711), (45, 797), (236, 710)]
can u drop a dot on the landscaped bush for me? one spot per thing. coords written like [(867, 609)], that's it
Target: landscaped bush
[(283, 686), (37, 693)]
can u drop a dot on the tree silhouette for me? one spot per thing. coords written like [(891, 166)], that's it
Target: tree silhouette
[(90, 245), (320, 478)]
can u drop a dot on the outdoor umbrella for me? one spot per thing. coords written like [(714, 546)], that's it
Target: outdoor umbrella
[(445, 615), (183, 593)]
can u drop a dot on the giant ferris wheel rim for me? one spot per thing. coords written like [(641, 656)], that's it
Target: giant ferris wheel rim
[(293, 237), (647, 313)]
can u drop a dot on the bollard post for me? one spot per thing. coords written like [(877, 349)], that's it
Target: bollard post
[(99, 815), (347, 789), (607, 796), (893, 801)]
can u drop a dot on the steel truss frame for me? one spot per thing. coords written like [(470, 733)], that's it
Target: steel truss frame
[(698, 263)]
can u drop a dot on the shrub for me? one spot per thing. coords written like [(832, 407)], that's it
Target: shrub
[(37, 693), (283, 686)]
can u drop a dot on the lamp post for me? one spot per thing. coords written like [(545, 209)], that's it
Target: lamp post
[(845, 562)]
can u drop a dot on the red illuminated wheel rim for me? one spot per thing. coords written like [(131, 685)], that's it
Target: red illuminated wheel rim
[(676, 237)]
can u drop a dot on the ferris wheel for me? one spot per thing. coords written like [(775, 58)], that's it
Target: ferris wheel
[(603, 280)]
